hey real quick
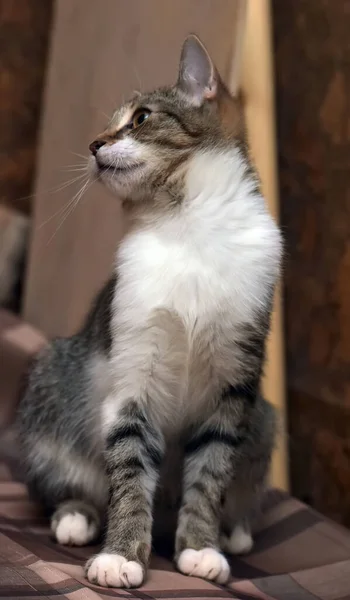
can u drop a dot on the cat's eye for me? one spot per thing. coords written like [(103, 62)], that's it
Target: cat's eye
[(139, 117)]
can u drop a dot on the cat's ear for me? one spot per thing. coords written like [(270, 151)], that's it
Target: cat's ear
[(198, 78)]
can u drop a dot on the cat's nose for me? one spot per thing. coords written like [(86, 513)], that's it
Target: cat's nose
[(95, 146)]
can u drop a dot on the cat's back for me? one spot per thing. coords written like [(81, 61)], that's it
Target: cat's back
[(59, 393), (55, 386)]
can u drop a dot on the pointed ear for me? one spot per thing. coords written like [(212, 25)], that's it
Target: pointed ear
[(198, 78)]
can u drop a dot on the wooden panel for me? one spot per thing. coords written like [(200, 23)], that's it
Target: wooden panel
[(258, 88), (24, 35), (101, 51), (313, 91)]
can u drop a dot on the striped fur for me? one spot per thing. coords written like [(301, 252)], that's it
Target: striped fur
[(155, 405)]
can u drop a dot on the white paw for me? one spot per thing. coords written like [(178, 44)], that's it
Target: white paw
[(73, 529), (207, 563), (239, 542), (113, 570)]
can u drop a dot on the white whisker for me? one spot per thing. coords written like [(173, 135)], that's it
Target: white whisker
[(82, 165), (53, 190), (137, 75), (61, 210), (72, 206), (75, 169), (67, 184), (80, 155), (104, 114)]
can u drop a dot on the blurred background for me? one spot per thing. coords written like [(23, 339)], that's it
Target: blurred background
[(64, 65)]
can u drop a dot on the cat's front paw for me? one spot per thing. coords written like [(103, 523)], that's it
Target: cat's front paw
[(113, 570), (207, 563)]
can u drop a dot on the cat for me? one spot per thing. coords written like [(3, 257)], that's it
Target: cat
[(163, 381)]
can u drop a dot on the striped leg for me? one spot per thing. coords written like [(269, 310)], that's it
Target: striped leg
[(148, 364), (134, 450), (213, 458)]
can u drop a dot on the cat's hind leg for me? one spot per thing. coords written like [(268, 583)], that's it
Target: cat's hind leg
[(243, 497), (72, 490), (236, 521), (223, 456), (239, 540), (76, 523)]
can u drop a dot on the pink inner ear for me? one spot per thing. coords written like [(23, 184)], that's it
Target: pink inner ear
[(210, 91)]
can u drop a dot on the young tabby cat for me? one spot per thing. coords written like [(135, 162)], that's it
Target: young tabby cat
[(168, 364)]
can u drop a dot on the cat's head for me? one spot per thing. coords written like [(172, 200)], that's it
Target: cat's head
[(150, 141)]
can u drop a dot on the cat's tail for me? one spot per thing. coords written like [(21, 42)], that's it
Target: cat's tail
[(14, 230), (10, 454)]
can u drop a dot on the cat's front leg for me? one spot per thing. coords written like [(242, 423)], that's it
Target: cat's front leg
[(134, 449), (207, 473), (214, 456), (147, 370)]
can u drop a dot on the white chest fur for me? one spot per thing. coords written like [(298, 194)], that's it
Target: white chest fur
[(220, 252), (216, 259)]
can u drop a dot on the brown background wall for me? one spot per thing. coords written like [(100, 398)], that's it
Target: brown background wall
[(24, 37), (100, 52), (312, 46)]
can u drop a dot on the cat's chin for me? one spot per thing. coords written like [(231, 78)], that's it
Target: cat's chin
[(125, 191), (97, 168), (118, 171), (120, 181)]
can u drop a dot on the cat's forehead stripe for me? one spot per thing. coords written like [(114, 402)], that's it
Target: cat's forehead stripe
[(122, 116)]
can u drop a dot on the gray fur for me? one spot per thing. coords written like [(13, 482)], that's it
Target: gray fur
[(110, 428)]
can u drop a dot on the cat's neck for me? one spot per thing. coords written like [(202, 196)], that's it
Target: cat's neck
[(216, 186), (223, 174)]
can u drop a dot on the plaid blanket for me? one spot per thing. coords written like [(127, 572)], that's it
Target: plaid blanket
[(298, 554)]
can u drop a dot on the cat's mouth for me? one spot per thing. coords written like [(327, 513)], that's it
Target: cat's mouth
[(115, 170)]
